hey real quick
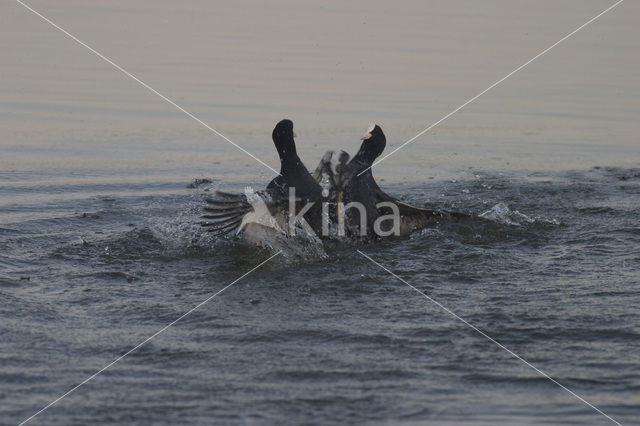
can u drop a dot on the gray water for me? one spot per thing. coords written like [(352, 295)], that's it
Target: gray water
[(100, 200), (553, 277)]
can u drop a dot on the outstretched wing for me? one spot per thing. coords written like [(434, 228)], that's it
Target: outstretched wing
[(224, 213), (418, 217), (231, 212)]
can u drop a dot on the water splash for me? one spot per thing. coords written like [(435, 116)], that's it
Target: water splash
[(501, 213)]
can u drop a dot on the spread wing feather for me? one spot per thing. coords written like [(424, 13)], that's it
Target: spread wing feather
[(224, 213)]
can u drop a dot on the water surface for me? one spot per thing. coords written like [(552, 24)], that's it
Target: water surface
[(100, 247)]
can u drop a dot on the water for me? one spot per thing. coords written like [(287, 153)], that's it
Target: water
[(553, 276), (99, 204)]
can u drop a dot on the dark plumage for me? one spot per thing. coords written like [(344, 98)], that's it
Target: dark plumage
[(225, 213), (353, 181), (362, 188), (293, 172)]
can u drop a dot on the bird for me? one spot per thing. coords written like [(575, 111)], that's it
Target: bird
[(230, 212), (351, 182)]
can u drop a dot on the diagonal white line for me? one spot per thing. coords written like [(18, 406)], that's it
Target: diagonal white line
[(145, 340), (493, 340), (493, 85), (151, 89)]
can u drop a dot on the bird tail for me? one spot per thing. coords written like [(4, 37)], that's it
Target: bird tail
[(224, 213)]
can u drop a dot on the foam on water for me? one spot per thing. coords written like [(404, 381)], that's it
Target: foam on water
[(501, 213)]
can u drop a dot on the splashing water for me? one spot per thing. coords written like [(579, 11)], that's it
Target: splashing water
[(501, 213)]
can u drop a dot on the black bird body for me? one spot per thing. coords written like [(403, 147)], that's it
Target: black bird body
[(293, 173), (353, 182), (226, 213)]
